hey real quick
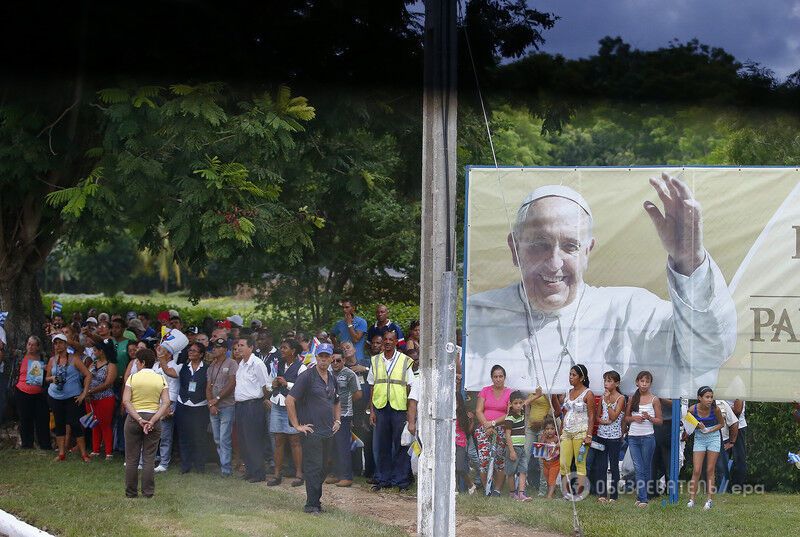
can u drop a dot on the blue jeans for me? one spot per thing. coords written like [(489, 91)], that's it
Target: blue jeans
[(165, 449), (642, 449), (601, 465), (222, 427)]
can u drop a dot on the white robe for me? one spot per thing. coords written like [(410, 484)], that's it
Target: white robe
[(628, 329)]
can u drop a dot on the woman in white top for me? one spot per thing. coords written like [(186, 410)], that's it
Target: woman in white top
[(644, 411), (578, 409)]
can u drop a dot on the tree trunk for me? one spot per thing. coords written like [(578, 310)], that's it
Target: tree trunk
[(21, 297)]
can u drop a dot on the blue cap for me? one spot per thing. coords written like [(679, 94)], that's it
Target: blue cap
[(324, 347)]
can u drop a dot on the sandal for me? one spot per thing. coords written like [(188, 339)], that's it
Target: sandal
[(299, 482), (602, 499), (109, 457), (86, 458), (61, 457), (274, 482)]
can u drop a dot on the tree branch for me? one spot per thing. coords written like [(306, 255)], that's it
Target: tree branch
[(49, 129)]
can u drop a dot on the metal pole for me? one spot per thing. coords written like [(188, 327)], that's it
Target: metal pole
[(675, 440), (436, 490)]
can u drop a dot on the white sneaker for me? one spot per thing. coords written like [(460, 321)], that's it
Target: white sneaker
[(140, 467), (690, 504), (708, 505), (472, 489), (158, 469)]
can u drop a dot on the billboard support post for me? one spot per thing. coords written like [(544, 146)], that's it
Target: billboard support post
[(436, 410)]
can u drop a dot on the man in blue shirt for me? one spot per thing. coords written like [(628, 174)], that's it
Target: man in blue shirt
[(351, 328), (383, 324)]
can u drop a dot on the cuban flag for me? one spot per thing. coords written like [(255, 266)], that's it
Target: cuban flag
[(313, 348), (56, 307), (3, 315)]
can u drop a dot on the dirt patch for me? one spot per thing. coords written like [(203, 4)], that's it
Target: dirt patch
[(400, 509)]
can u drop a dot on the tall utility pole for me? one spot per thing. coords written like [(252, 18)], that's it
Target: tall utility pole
[(436, 490)]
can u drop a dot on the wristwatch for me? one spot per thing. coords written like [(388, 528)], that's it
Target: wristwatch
[(349, 326)]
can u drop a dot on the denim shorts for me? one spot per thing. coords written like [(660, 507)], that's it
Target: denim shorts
[(279, 421), (707, 441), (519, 466)]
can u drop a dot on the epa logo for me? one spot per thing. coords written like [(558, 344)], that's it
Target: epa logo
[(574, 487)]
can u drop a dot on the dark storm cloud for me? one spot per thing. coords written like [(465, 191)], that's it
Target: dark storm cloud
[(767, 31)]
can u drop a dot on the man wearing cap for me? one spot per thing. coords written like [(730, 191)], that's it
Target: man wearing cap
[(314, 410), (221, 403), (236, 325), (551, 319), (390, 377), (252, 385), (175, 320)]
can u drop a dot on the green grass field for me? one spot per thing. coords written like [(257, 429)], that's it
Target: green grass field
[(75, 499), (763, 515)]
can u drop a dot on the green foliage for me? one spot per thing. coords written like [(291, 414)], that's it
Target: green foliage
[(771, 434)]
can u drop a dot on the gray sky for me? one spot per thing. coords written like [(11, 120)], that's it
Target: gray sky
[(765, 31)]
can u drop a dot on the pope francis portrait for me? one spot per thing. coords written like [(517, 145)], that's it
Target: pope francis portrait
[(549, 320)]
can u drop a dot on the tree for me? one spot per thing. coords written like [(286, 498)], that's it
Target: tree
[(194, 164)]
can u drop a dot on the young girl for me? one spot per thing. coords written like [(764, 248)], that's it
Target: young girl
[(644, 411), (551, 465), (578, 411), (707, 443), (463, 430), (609, 434)]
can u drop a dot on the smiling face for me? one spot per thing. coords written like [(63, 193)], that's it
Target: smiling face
[(553, 245)]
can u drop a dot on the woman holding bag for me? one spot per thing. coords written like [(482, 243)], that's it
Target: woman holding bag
[(66, 396)]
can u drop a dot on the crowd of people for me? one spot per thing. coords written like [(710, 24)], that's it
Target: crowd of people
[(320, 408), (530, 440)]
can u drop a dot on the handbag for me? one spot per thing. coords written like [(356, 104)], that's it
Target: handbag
[(89, 420)]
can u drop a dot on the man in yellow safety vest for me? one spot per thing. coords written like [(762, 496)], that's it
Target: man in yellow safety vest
[(391, 377)]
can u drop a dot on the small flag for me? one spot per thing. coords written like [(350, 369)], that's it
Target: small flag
[(56, 307), (541, 450), (690, 423), (3, 315), (313, 348), (355, 442)]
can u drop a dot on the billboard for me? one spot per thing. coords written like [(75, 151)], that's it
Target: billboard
[(573, 265)]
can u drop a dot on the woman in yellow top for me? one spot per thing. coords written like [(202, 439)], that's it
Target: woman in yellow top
[(538, 405), (146, 398)]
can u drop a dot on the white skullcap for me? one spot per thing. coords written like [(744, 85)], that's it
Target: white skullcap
[(558, 191)]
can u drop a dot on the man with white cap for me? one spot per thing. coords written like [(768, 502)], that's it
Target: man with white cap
[(550, 320), (315, 411)]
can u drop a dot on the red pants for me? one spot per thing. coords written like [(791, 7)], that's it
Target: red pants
[(104, 411)]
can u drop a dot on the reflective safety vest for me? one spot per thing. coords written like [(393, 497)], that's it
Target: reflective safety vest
[(390, 386)]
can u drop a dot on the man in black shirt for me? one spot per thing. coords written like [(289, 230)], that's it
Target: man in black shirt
[(314, 410)]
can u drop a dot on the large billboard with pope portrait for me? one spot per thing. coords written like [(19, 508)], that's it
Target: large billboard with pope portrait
[(691, 273)]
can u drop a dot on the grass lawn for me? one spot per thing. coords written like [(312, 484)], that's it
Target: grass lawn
[(77, 499), (765, 514)]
